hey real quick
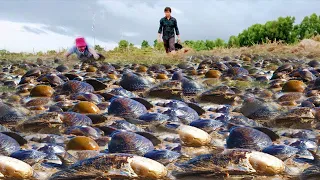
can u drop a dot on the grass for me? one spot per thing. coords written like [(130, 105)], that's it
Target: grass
[(147, 58), (5, 89), (276, 49)]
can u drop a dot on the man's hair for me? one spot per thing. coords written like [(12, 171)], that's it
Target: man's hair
[(167, 9)]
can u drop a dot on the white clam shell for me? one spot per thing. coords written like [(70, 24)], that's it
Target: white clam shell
[(11, 167), (192, 136)]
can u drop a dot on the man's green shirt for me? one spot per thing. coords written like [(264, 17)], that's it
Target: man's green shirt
[(167, 27)]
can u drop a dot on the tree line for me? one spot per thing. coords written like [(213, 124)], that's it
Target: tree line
[(283, 29)]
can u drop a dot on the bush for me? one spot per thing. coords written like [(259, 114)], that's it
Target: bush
[(144, 44)]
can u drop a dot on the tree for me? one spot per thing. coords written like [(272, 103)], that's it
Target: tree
[(219, 43), (123, 45), (40, 53), (144, 44), (155, 42), (233, 41), (98, 48), (310, 26), (209, 44), (282, 29)]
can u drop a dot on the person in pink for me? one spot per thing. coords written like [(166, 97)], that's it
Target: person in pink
[(84, 52)]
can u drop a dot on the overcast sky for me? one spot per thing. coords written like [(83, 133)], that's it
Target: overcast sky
[(27, 25)]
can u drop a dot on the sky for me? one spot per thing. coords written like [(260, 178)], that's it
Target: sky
[(41, 25)]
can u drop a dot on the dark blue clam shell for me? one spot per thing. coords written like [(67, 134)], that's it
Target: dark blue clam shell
[(162, 156), (177, 75), (84, 131), (122, 92), (207, 125), (47, 138), (282, 152), (9, 114), (133, 82), (76, 119), (125, 107), (184, 114), (149, 117), (238, 71), (52, 149), (29, 156), (305, 144), (87, 97), (125, 125), (248, 138), (175, 104), (74, 86), (242, 120), (8, 145), (191, 87), (129, 142)]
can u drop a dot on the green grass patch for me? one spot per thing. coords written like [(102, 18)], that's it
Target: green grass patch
[(6, 89)]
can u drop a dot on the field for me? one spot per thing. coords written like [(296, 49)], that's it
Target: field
[(306, 49)]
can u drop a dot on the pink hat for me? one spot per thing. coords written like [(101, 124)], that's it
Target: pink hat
[(80, 42)]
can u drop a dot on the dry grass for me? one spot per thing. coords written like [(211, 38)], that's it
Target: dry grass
[(277, 49), (143, 58)]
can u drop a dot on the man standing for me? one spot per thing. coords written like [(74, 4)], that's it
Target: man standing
[(168, 25)]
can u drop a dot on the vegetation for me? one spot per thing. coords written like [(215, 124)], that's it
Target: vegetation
[(277, 37)]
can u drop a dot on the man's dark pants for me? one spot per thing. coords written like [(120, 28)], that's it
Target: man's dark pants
[(169, 44)]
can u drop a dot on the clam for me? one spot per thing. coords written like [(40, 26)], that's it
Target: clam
[(184, 114), (86, 107), (258, 110), (74, 86), (84, 131), (38, 102), (42, 91), (282, 152), (294, 86), (190, 87), (233, 162), (207, 125), (129, 142), (82, 143), (213, 74), (134, 82), (10, 115), (114, 166), (125, 107), (163, 156), (87, 97), (311, 173), (96, 84), (46, 122), (248, 138), (8, 145), (14, 168), (75, 119), (192, 136), (62, 68), (29, 156)]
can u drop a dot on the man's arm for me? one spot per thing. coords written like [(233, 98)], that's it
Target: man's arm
[(94, 53), (177, 29), (69, 52), (160, 30)]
